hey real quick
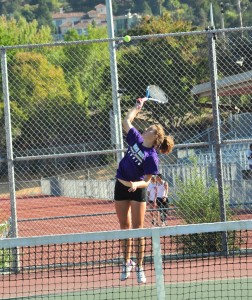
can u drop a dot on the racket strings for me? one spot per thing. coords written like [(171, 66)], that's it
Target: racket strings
[(156, 92)]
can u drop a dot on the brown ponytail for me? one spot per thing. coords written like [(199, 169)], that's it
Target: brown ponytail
[(167, 145)]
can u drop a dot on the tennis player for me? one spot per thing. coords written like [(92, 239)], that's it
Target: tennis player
[(249, 156), (133, 176), (162, 199), (151, 199)]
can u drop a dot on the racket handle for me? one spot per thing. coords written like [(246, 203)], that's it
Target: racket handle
[(140, 102)]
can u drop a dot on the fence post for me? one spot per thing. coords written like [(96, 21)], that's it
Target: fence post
[(216, 124), (114, 81), (10, 160)]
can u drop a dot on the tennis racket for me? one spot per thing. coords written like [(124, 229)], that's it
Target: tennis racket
[(155, 93)]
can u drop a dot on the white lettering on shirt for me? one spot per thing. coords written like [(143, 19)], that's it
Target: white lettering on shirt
[(136, 154)]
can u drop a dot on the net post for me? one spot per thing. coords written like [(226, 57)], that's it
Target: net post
[(156, 244), (10, 157), (15, 258)]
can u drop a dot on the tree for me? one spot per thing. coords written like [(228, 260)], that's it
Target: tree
[(228, 53), (197, 201), (27, 12), (16, 32), (10, 7), (167, 62), (43, 14), (90, 63), (34, 82), (20, 32), (43, 104), (84, 5), (157, 7), (142, 7)]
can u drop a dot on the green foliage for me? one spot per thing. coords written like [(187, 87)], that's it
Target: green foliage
[(207, 242), (5, 259), (196, 11), (170, 63), (41, 97), (5, 254), (30, 9), (227, 66), (4, 229), (197, 197), (20, 32), (143, 7), (87, 64), (162, 24), (53, 119), (33, 82), (43, 14), (84, 5), (28, 12), (37, 79), (227, 56), (197, 201)]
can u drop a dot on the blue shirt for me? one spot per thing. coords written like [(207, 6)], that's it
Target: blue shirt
[(139, 160)]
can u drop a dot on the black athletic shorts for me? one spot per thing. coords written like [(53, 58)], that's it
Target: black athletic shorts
[(122, 193), (161, 203)]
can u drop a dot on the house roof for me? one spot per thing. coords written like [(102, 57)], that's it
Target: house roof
[(66, 25), (68, 15), (82, 25), (103, 17), (239, 84), (100, 5), (92, 12)]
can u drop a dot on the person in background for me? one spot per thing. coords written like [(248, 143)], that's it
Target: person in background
[(133, 176), (249, 156), (151, 199), (162, 199)]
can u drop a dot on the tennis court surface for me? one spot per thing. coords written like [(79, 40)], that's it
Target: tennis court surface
[(199, 261)]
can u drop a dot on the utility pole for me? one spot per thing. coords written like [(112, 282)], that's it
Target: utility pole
[(211, 16), (240, 14), (222, 19)]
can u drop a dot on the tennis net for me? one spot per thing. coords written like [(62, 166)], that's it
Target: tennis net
[(200, 261)]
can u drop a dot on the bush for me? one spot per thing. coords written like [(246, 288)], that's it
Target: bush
[(5, 259), (197, 198), (5, 255), (197, 201)]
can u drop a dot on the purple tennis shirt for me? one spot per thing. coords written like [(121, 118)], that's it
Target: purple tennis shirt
[(139, 160)]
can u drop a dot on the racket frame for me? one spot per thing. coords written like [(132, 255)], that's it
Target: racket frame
[(147, 97)]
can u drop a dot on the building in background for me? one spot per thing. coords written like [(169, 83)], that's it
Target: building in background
[(64, 21), (124, 23)]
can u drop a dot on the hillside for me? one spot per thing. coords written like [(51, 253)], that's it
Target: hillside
[(195, 11)]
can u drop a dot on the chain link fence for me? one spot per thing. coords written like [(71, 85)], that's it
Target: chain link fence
[(63, 105)]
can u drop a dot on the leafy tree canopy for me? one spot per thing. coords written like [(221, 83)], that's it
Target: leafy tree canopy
[(162, 56), (197, 11)]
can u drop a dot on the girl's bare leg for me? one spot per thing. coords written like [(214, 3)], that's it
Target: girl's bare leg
[(138, 214), (123, 212)]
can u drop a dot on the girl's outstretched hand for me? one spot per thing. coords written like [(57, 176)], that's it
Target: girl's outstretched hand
[(140, 102)]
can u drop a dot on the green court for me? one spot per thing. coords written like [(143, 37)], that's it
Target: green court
[(238, 288)]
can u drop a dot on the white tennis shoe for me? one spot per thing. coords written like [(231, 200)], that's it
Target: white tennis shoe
[(126, 269), (140, 275)]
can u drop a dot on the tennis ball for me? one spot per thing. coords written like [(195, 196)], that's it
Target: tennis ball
[(127, 38)]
